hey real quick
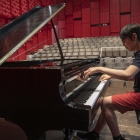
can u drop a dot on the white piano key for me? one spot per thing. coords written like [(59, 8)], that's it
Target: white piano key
[(94, 96)]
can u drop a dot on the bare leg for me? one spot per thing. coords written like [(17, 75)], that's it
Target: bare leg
[(100, 123), (110, 116)]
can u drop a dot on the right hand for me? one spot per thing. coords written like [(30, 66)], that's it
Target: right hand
[(104, 77)]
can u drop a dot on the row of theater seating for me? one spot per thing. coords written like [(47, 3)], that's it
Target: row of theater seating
[(116, 52), (82, 51), (116, 63), (115, 83)]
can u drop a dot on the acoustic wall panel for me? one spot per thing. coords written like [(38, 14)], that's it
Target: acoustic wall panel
[(40, 39), (125, 19), (31, 4), (69, 8), (61, 15), (104, 17), (86, 30), (85, 3), (22, 53), (115, 34), (24, 6), (124, 6), (135, 19), (86, 15), (28, 46), (15, 8), (95, 17), (13, 57), (135, 6), (77, 28), (95, 31), (77, 14), (105, 30), (115, 22), (45, 36), (62, 33), (114, 6), (104, 5), (69, 19), (35, 42), (94, 5), (5, 9), (69, 30), (61, 24)]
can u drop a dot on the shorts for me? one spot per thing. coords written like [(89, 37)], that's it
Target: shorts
[(129, 101)]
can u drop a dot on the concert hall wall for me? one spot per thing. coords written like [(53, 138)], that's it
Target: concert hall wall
[(80, 18)]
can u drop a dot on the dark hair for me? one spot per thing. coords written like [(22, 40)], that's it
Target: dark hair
[(129, 29)]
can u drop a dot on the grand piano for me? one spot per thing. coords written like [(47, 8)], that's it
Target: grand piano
[(38, 96)]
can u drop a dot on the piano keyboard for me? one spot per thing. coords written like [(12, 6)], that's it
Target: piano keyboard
[(89, 96)]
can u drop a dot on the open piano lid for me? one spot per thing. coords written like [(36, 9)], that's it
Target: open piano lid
[(17, 32)]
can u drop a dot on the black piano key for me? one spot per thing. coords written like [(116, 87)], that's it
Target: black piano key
[(86, 94)]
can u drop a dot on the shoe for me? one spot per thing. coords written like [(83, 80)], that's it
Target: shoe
[(86, 136), (123, 138)]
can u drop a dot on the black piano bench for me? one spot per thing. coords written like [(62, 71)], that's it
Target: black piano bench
[(138, 116)]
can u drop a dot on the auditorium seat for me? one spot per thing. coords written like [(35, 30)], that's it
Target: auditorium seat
[(115, 83), (116, 51), (123, 52), (108, 51)]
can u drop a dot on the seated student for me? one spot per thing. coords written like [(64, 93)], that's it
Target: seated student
[(130, 36)]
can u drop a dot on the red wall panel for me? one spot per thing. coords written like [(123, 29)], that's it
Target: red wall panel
[(105, 30), (22, 53), (45, 36), (28, 46), (61, 33), (77, 28), (135, 5), (86, 30), (40, 39), (69, 19), (69, 30), (104, 17), (94, 5), (61, 24), (115, 22), (95, 17), (125, 19), (77, 14), (114, 6), (14, 57), (86, 15), (104, 5), (124, 6), (115, 34), (95, 31), (85, 3), (135, 19), (35, 42), (69, 8)]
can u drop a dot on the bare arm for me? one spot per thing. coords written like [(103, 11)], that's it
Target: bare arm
[(127, 74)]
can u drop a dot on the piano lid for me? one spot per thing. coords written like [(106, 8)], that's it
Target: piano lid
[(16, 33)]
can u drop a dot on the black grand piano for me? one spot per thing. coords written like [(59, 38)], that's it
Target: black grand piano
[(37, 96)]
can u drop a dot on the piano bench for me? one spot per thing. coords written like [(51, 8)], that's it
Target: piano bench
[(138, 116)]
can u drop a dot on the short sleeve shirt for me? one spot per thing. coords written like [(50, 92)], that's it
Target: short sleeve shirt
[(136, 62)]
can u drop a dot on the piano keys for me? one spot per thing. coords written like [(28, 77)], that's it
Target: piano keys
[(45, 95)]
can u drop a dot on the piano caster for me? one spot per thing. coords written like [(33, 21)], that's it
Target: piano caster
[(68, 134)]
